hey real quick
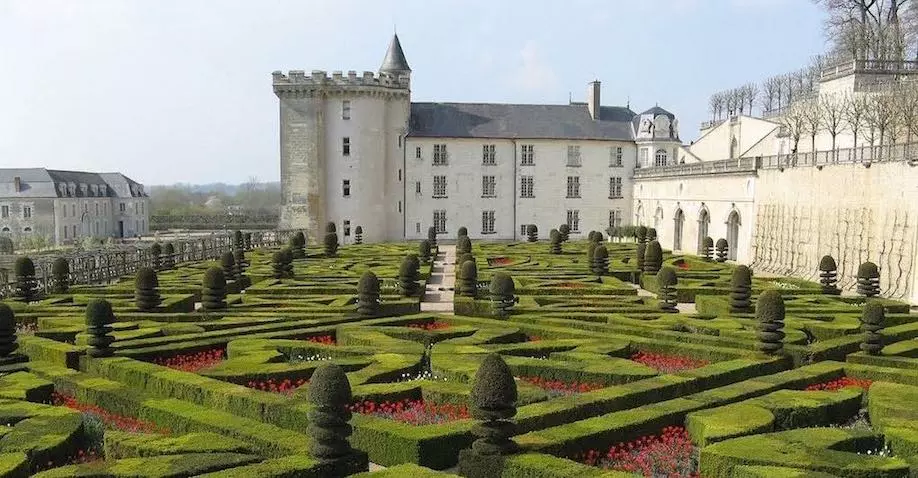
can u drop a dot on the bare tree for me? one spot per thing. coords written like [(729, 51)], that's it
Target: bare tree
[(855, 114), (771, 89), (832, 108), (812, 120), (794, 123), (908, 109), (871, 29), (880, 117), (751, 93)]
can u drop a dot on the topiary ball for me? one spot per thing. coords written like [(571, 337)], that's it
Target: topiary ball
[(770, 306), (469, 269), (463, 231), (827, 263), (742, 277), (99, 313), (214, 278), (868, 270), (24, 267), (368, 283), (502, 284), (666, 277), (329, 386), (494, 394), (146, 279), (330, 228)]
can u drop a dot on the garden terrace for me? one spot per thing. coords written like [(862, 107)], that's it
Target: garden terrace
[(600, 371)]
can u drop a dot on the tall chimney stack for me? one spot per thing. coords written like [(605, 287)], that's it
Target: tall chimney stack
[(593, 99), (17, 184)]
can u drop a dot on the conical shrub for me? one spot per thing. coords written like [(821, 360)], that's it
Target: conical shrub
[(298, 245), (228, 264), (368, 295), (331, 244), (653, 257), (26, 284), (358, 235), (532, 233), (769, 311), (868, 279), (240, 261), (248, 241), (640, 254), (707, 249), (469, 282), (329, 396), (424, 251), (99, 317), (722, 250), (213, 294), (555, 239), (591, 249), (60, 273), (168, 256), (872, 322), (641, 234), (277, 265), (288, 262), (238, 239), (8, 343), (464, 245), (146, 289), (502, 292), (565, 231), (651, 234), (741, 290), (828, 275), (666, 279), (432, 236), (600, 260), (330, 228), (493, 398), (408, 275), (463, 231), (156, 255)]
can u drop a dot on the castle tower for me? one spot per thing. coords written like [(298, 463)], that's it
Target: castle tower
[(341, 149), (656, 133)]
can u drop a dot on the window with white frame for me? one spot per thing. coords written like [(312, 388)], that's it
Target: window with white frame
[(659, 158), (26, 212), (417, 228), (615, 187), (615, 218), (417, 187), (346, 188), (346, 109), (488, 154), (615, 156), (643, 157), (526, 187), (573, 220), (417, 152), (527, 155), (5, 211), (440, 156), (573, 155), (439, 186), (439, 221), (487, 222), (523, 228), (347, 227), (573, 186), (488, 187), (346, 146)]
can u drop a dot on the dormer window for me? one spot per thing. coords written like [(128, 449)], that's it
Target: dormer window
[(103, 190), (84, 189)]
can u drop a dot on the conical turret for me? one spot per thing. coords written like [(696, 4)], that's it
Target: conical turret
[(395, 62)]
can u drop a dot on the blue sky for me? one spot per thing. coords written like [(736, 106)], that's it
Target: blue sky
[(180, 90)]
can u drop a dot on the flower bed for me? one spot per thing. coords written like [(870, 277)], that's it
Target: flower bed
[(499, 261), (667, 363), (533, 338), (414, 412), (670, 454), (193, 362), (559, 388), (285, 386), (323, 339), (430, 326), (841, 383), (108, 419)]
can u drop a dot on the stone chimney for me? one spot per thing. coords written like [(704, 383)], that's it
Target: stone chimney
[(593, 99), (17, 184)]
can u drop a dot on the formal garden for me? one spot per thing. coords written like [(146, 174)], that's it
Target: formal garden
[(565, 356)]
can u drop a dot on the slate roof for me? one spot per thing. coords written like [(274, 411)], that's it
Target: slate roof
[(395, 58), (498, 120), (42, 183)]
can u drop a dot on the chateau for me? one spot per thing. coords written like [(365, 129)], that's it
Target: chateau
[(356, 151), (67, 206)]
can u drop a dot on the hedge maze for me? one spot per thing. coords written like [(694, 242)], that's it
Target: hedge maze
[(564, 357)]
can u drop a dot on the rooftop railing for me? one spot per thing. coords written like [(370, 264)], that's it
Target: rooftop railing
[(723, 166), (868, 66)]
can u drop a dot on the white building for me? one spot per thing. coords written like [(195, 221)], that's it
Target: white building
[(356, 151)]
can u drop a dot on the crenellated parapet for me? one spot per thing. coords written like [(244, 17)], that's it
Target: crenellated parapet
[(296, 83)]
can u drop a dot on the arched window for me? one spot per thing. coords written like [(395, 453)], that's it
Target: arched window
[(733, 224), (733, 147), (704, 219), (5, 230), (27, 229), (677, 231), (660, 157)]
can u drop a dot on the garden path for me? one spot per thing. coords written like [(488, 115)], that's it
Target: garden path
[(438, 293)]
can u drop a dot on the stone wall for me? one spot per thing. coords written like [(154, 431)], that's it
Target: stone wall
[(853, 212)]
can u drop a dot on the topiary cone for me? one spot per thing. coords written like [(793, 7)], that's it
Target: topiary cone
[(368, 295), (554, 237), (769, 311), (424, 250), (722, 250), (868, 279), (872, 323), (600, 260), (640, 255), (156, 253), (60, 273), (330, 244), (591, 249), (358, 235), (288, 262), (8, 343), (707, 246), (651, 234), (432, 236), (493, 401), (329, 396), (463, 231), (565, 231), (641, 233), (99, 318), (463, 245), (469, 281), (213, 294), (502, 292), (828, 275), (667, 280), (277, 265), (146, 293), (408, 275), (532, 233), (653, 257), (26, 285), (228, 265), (741, 290), (330, 228)]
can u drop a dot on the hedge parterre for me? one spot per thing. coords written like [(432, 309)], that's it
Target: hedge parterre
[(604, 381)]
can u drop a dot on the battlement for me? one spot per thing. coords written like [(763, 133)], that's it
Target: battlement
[(320, 78)]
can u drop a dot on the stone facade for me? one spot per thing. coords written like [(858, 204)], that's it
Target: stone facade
[(66, 206)]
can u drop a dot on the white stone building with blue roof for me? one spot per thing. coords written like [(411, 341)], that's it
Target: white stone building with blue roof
[(356, 151), (66, 206)]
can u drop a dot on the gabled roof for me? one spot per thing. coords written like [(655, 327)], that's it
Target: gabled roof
[(395, 58), (498, 120), (41, 182)]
